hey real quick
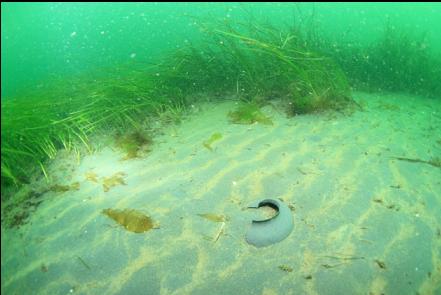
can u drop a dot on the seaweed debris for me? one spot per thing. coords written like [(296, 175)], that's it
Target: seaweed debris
[(59, 188), (91, 176), (435, 162), (380, 263), (249, 113), (285, 268), (132, 143), (131, 219), (214, 137), (214, 217), (114, 180)]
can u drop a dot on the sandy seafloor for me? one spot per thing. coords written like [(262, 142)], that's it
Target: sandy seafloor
[(352, 199)]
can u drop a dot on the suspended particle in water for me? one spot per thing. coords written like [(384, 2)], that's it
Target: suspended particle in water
[(133, 55), (73, 34)]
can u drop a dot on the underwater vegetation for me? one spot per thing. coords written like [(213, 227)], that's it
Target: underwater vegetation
[(16, 211), (131, 143), (285, 268), (244, 60), (114, 180), (399, 61), (131, 219), (15, 214), (249, 113), (65, 115), (214, 137), (65, 188), (91, 176), (435, 162), (256, 59)]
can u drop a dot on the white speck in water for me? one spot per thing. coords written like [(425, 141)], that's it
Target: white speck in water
[(73, 34), (133, 55), (234, 183), (102, 32), (417, 215)]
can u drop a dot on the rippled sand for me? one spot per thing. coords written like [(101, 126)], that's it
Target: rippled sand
[(365, 222)]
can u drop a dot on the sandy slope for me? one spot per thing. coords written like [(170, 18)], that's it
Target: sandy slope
[(356, 210)]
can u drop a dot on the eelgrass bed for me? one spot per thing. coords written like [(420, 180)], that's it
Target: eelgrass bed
[(398, 61), (255, 63)]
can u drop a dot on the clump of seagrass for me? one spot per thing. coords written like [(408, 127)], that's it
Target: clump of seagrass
[(243, 60)]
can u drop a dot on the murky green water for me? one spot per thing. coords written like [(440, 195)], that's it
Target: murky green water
[(135, 136)]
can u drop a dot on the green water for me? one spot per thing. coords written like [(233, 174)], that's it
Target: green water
[(46, 40), (184, 114)]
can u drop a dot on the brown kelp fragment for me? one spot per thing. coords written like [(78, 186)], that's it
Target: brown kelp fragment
[(58, 188), (285, 268), (131, 219), (91, 176), (249, 113), (214, 137), (114, 180), (214, 217)]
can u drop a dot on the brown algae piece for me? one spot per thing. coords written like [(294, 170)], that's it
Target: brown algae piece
[(249, 113), (214, 217), (91, 176), (131, 219), (285, 268), (58, 188), (114, 180), (214, 137), (132, 143)]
